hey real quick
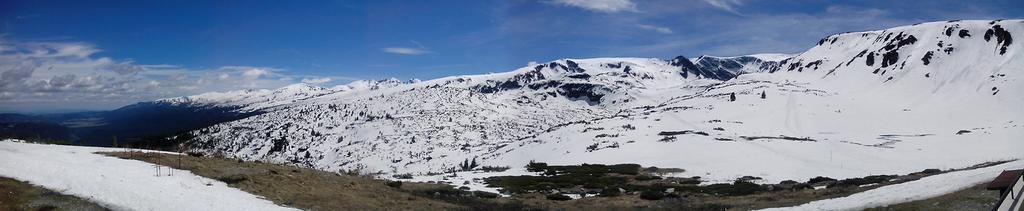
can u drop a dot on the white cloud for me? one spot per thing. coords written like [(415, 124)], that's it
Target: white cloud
[(659, 29), (38, 76), (605, 6), (727, 5), (406, 51), (254, 73), (159, 66), (124, 68), (729, 35), (316, 80)]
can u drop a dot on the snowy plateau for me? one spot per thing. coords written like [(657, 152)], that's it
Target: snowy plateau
[(895, 101)]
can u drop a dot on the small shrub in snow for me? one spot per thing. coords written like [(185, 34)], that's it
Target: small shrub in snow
[(468, 165), (854, 182), (494, 168), (800, 186), (559, 197), (629, 127), (394, 184), (536, 166), (652, 195), (749, 178), (738, 188), (929, 171), (820, 179), (233, 179), (610, 192), (690, 181), (485, 194), (646, 178)]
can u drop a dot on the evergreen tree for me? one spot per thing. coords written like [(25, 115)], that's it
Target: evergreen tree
[(762, 95), (732, 96), (473, 164)]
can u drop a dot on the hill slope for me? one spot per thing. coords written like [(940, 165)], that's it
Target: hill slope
[(894, 101)]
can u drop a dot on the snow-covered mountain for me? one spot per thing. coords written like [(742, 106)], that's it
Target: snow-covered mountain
[(893, 101), (252, 100), (249, 99)]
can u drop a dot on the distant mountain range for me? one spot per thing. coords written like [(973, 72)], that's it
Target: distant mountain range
[(146, 122)]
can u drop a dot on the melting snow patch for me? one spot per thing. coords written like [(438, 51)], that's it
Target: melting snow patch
[(119, 184), (924, 188)]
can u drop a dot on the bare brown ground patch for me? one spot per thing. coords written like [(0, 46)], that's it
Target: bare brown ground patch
[(299, 187), (18, 195), (318, 190)]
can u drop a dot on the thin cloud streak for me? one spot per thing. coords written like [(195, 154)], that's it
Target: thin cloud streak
[(727, 5), (659, 29), (604, 6), (405, 50)]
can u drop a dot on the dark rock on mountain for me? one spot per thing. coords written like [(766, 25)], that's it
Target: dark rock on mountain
[(1003, 38), (890, 58), (515, 82), (870, 61), (927, 57), (589, 92), (731, 67), (710, 68), (573, 67), (685, 66)]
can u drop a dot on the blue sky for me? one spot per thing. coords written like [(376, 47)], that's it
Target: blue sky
[(121, 52)]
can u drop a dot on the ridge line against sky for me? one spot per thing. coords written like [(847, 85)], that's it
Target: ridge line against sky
[(67, 55)]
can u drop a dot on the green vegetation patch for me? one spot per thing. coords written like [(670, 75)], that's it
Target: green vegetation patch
[(589, 169), (527, 184)]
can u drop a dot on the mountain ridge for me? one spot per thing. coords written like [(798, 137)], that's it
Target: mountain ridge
[(652, 111)]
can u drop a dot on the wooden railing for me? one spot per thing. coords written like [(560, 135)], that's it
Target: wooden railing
[(1013, 197)]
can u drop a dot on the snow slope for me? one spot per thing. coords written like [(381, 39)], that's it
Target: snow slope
[(894, 101), (924, 188), (119, 184), (250, 100)]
